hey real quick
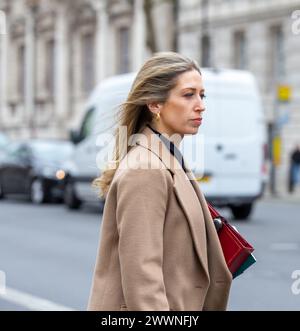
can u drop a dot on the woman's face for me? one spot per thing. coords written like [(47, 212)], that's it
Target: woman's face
[(182, 111)]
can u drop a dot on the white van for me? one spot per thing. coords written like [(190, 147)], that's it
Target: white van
[(231, 142)]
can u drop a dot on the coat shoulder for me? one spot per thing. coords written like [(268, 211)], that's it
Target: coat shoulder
[(143, 163)]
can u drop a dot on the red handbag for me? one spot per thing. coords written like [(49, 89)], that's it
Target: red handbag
[(235, 248)]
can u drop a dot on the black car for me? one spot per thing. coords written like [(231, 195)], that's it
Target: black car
[(4, 141), (33, 168)]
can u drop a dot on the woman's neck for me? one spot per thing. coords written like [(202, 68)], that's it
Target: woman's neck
[(174, 137)]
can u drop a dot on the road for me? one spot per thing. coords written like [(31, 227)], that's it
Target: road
[(47, 256)]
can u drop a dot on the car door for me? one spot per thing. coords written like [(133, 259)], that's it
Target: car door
[(7, 168), (15, 172)]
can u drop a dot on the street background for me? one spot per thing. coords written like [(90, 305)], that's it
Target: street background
[(52, 56)]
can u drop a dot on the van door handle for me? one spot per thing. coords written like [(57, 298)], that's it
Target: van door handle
[(230, 156)]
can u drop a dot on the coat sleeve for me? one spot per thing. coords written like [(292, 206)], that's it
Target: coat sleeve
[(141, 208)]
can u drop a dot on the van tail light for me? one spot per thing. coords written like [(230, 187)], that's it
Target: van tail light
[(265, 159), (264, 169)]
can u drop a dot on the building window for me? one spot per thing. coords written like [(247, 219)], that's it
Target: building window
[(88, 58), (123, 65), (240, 60), (277, 58), (206, 51), (50, 58), (21, 71)]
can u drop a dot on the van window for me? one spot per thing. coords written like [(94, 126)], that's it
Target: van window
[(86, 127)]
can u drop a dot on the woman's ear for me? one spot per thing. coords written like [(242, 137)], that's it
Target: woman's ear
[(154, 107)]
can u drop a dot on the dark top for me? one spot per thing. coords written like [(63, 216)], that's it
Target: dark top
[(171, 147), (296, 156)]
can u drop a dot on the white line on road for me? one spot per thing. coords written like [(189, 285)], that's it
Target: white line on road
[(284, 246), (31, 302)]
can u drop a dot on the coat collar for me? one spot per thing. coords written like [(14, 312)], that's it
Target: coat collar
[(148, 139)]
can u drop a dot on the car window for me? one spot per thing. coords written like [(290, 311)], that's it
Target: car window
[(20, 152), (23, 152), (12, 149), (17, 151), (51, 150)]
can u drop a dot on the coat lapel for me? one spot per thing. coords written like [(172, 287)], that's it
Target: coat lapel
[(186, 190), (218, 263), (191, 206)]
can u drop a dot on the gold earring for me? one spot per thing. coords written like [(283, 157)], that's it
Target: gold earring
[(157, 116)]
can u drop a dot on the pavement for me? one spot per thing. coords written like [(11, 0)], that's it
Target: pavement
[(283, 196)]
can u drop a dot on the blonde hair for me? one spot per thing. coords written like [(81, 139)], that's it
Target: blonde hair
[(157, 77)]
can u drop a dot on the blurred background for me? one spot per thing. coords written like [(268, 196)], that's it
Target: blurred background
[(53, 56)]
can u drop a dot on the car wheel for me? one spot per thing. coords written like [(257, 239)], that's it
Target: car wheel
[(70, 198), (241, 212), (1, 191), (37, 192)]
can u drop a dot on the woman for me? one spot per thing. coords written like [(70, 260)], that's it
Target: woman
[(159, 249)]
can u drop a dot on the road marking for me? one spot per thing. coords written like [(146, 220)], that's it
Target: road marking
[(31, 302), (284, 246)]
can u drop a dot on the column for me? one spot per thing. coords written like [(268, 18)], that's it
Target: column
[(61, 66), (139, 35), (29, 116), (101, 39), (3, 67)]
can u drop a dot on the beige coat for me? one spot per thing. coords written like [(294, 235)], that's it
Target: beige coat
[(158, 249)]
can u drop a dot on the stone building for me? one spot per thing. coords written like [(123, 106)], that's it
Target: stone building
[(53, 53)]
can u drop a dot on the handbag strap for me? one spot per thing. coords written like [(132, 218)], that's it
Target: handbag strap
[(215, 215), (212, 210)]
